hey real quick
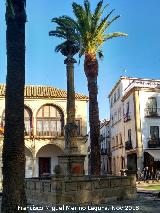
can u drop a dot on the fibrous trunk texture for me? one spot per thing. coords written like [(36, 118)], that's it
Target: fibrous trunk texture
[(91, 71), (13, 148)]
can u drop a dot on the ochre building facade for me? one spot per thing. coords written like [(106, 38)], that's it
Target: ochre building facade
[(45, 118)]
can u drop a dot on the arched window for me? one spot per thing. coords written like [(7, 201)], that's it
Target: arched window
[(27, 121), (49, 121)]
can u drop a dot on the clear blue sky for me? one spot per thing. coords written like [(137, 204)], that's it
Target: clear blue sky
[(139, 54)]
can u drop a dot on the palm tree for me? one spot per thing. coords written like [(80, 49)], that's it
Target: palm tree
[(13, 148), (89, 31)]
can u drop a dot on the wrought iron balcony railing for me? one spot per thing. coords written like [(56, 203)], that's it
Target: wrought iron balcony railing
[(126, 117), (103, 151), (49, 133), (152, 112), (106, 151), (128, 145), (154, 143)]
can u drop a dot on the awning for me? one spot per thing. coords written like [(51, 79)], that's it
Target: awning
[(155, 154)]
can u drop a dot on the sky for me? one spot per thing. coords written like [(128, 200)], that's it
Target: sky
[(138, 54)]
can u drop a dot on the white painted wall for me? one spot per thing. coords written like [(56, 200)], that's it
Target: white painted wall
[(146, 122), (131, 123)]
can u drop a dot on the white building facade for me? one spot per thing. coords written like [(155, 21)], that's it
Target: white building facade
[(135, 123), (105, 147), (45, 118)]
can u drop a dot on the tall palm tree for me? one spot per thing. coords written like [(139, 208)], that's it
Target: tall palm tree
[(13, 148), (88, 29)]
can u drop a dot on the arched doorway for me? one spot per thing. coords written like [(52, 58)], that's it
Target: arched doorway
[(47, 158)]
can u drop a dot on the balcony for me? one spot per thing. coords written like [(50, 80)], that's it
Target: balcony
[(154, 143), (152, 112), (126, 117), (49, 133), (104, 151), (128, 145)]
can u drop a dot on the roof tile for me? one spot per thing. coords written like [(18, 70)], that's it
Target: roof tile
[(32, 91)]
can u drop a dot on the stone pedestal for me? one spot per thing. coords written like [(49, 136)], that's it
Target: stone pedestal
[(72, 164)]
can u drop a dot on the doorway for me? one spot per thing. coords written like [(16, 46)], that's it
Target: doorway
[(44, 166)]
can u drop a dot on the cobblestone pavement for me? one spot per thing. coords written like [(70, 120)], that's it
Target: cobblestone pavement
[(144, 203)]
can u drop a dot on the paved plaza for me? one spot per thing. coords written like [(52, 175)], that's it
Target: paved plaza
[(144, 203)]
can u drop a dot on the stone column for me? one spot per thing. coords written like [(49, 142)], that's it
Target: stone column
[(71, 127), (71, 161), (34, 167)]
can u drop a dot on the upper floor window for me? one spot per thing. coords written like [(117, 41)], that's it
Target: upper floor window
[(49, 121), (111, 101), (118, 93), (154, 132), (112, 119), (27, 121), (126, 115), (152, 104), (129, 134), (119, 113), (127, 108), (114, 97), (116, 140)]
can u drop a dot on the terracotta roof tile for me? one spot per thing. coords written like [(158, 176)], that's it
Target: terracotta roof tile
[(32, 91)]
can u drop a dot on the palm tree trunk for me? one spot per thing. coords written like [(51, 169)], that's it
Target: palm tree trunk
[(13, 148), (91, 71)]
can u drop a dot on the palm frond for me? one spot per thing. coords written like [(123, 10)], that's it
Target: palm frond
[(96, 16), (87, 7), (59, 47), (114, 19), (66, 27), (87, 30), (58, 34), (73, 23), (78, 11), (114, 35), (80, 15), (100, 54), (64, 23), (98, 8), (88, 15), (104, 23)]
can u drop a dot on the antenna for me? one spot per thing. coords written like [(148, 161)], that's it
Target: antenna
[(125, 72)]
